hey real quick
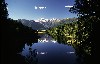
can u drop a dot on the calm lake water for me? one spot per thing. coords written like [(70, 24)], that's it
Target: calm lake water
[(49, 51)]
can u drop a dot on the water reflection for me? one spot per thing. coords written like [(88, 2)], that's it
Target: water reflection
[(31, 57), (11, 46), (82, 43), (46, 38), (70, 52), (49, 51), (45, 51)]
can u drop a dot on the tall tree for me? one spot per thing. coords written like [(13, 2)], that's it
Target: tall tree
[(88, 14), (86, 8), (89, 21)]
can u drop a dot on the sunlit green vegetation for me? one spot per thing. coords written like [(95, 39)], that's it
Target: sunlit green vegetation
[(69, 34), (67, 30)]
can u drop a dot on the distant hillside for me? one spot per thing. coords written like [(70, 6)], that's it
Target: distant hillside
[(32, 23)]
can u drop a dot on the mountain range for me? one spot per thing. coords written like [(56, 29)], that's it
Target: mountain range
[(44, 24)]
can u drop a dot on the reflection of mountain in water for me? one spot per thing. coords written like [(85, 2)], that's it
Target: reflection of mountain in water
[(48, 51), (46, 38)]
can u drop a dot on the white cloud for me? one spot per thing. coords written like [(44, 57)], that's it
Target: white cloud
[(68, 6), (41, 7), (36, 7)]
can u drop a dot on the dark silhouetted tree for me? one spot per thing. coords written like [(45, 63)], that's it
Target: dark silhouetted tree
[(89, 21), (13, 35), (89, 18), (86, 8), (3, 10)]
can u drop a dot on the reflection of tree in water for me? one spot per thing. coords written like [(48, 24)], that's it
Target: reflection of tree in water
[(31, 57)]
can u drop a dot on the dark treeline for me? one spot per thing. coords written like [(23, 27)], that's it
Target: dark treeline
[(13, 30), (14, 35)]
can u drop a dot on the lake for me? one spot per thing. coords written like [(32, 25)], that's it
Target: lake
[(49, 51)]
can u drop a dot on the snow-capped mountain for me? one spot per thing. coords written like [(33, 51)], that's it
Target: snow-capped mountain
[(48, 23)]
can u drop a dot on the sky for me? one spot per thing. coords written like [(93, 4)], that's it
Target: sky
[(36, 9)]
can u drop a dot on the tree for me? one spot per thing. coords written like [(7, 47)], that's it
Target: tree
[(3, 10), (89, 21), (88, 14), (86, 8)]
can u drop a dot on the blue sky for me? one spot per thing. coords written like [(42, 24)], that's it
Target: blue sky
[(25, 9)]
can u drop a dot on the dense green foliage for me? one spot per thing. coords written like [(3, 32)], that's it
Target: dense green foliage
[(68, 31), (67, 34)]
